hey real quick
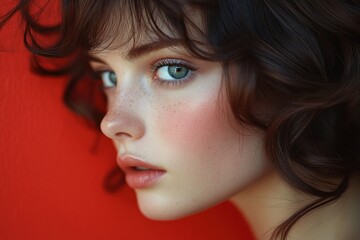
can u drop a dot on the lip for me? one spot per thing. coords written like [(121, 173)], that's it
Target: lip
[(138, 179)]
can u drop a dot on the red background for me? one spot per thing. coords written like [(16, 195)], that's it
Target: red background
[(51, 181)]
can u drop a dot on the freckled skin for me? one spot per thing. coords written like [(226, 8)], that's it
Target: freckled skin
[(184, 130)]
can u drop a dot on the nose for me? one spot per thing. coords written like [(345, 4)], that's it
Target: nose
[(123, 121)]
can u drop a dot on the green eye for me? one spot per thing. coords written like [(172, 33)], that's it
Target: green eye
[(172, 72), (109, 79), (178, 72)]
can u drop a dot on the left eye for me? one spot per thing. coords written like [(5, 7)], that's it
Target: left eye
[(108, 78), (172, 72)]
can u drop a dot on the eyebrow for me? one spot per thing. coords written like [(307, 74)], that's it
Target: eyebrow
[(147, 48), (141, 50)]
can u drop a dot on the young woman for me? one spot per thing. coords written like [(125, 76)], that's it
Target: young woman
[(253, 101)]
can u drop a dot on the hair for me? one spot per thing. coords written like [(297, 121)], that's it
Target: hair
[(300, 59)]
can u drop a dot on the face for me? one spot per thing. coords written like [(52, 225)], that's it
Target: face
[(169, 119)]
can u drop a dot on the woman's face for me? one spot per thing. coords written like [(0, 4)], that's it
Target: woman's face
[(169, 119)]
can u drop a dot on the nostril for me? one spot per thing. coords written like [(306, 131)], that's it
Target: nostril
[(122, 134)]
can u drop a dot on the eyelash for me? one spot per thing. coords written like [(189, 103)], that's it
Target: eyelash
[(97, 74), (155, 66)]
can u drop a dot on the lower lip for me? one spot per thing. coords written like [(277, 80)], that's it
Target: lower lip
[(143, 179)]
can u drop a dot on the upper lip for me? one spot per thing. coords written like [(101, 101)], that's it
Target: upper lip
[(127, 163)]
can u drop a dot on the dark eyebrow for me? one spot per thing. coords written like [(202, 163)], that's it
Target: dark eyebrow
[(141, 50), (144, 49)]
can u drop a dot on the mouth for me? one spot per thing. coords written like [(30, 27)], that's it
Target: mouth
[(136, 168), (140, 174)]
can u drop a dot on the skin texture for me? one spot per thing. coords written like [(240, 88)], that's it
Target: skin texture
[(187, 130), (183, 129)]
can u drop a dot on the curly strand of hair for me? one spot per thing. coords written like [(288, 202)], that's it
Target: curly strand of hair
[(300, 57)]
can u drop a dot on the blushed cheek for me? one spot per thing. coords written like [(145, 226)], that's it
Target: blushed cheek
[(190, 126)]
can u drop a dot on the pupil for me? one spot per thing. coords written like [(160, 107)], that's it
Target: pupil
[(178, 72)]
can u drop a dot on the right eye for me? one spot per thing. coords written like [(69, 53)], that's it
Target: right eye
[(108, 79)]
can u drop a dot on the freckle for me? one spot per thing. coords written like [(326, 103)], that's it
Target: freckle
[(170, 107)]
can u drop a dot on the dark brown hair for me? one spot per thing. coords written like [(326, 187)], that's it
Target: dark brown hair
[(299, 60)]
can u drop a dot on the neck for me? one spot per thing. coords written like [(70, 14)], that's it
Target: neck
[(269, 201)]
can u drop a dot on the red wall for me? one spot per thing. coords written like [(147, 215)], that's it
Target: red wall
[(51, 182)]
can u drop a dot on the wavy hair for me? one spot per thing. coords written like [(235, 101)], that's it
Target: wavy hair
[(292, 69)]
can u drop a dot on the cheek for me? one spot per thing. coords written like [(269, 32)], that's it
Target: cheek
[(207, 161), (189, 125), (197, 133)]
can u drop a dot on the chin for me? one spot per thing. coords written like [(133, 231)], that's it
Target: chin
[(164, 208), (161, 215)]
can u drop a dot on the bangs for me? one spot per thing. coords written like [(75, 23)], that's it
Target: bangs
[(107, 25)]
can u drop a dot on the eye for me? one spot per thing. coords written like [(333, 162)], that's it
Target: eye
[(108, 79), (172, 71)]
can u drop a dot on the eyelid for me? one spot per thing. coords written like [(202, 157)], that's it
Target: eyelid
[(156, 65), (99, 72), (98, 68), (99, 75), (172, 61)]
